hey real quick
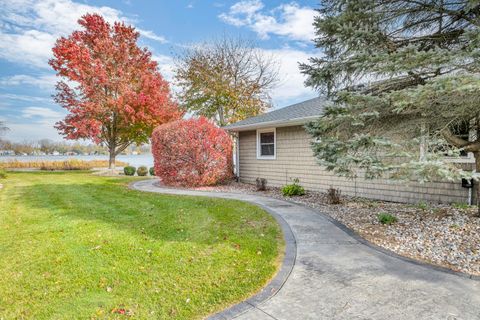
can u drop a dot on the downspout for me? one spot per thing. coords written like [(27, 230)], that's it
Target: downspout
[(236, 156)]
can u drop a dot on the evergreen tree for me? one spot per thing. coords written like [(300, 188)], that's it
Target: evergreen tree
[(403, 78)]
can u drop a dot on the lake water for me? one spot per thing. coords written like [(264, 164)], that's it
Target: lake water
[(133, 160)]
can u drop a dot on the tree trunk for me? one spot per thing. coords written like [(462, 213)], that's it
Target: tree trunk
[(477, 169), (111, 159), (221, 117)]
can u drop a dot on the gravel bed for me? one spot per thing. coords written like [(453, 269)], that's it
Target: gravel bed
[(443, 235)]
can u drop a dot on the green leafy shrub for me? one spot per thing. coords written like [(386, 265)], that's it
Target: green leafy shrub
[(152, 171), (293, 189), (460, 205), (3, 174), (142, 171), (387, 218), (422, 206), (129, 170)]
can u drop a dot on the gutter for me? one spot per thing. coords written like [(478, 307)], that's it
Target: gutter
[(269, 124)]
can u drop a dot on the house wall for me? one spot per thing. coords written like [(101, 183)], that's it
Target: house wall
[(294, 159)]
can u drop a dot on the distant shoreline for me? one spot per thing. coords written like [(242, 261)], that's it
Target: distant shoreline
[(133, 160)]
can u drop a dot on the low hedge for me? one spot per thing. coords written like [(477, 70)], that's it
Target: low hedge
[(142, 171), (129, 170)]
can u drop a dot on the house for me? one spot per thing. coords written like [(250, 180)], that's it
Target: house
[(7, 153), (276, 147)]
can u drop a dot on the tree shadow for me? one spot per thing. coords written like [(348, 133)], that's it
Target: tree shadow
[(150, 216)]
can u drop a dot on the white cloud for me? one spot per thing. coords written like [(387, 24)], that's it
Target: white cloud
[(21, 97), (152, 35), (291, 82), (29, 47), (46, 81), (29, 28), (28, 132), (42, 114), (34, 123), (288, 20), (166, 66), (290, 87)]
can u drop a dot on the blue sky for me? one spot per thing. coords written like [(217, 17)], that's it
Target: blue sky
[(28, 30)]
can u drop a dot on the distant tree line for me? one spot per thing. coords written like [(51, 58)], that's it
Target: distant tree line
[(47, 146)]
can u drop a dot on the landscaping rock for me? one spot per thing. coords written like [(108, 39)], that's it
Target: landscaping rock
[(438, 234)]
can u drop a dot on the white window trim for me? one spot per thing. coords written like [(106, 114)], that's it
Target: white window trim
[(469, 158), (259, 156)]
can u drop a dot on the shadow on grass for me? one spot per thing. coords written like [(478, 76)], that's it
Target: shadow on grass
[(159, 217)]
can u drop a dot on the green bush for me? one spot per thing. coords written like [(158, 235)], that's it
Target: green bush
[(387, 218), (142, 171), (3, 174), (129, 170), (422, 206), (293, 189), (460, 205), (152, 171)]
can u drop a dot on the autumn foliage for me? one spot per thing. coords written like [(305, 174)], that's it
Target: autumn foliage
[(192, 152), (111, 87)]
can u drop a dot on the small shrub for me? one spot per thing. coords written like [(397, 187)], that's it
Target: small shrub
[(261, 184), (460, 205), (422, 206), (3, 174), (142, 171), (333, 196), (152, 171), (129, 170), (293, 189), (387, 218)]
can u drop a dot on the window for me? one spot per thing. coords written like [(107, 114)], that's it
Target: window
[(266, 140), (462, 130)]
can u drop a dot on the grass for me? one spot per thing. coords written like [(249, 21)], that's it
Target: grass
[(71, 164), (461, 205), (77, 246)]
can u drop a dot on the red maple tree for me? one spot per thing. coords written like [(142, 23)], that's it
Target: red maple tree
[(193, 152), (113, 90)]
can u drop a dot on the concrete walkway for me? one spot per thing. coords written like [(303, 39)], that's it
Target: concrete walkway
[(337, 277)]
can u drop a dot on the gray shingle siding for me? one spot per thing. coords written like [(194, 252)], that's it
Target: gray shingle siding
[(294, 159)]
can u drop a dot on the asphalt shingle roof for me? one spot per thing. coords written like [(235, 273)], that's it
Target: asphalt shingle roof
[(309, 108)]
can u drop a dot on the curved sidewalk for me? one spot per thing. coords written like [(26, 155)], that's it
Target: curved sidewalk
[(337, 277)]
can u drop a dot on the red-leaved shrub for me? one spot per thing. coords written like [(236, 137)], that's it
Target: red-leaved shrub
[(192, 152)]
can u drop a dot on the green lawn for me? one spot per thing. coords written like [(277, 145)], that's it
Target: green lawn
[(78, 246)]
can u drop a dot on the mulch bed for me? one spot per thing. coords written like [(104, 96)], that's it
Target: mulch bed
[(443, 235)]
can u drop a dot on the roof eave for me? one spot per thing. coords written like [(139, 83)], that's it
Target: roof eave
[(271, 124)]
